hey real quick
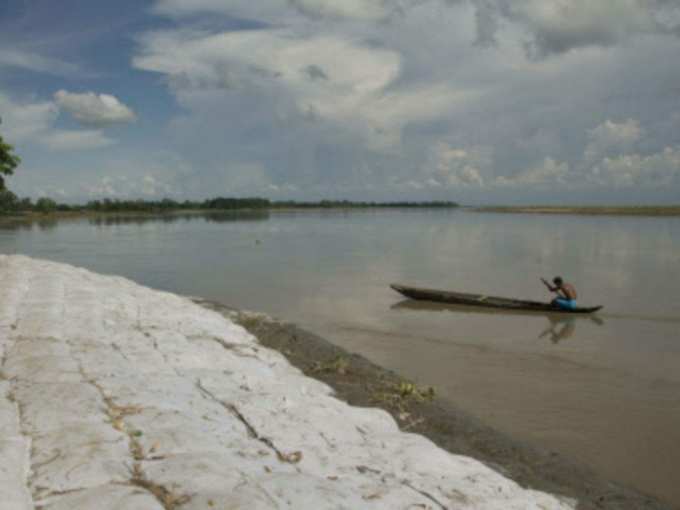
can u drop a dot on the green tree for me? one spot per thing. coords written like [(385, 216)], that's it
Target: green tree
[(45, 205), (8, 161), (8, 201), (25, 204)]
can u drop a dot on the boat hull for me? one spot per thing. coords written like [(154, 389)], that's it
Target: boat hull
[(461, 298)]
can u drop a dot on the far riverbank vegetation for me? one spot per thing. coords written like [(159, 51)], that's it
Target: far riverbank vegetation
[(12, 205)]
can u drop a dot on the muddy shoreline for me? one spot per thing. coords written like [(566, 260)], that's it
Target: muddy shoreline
[(362, 383)]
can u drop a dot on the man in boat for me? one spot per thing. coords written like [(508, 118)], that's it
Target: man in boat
[(566, 293)]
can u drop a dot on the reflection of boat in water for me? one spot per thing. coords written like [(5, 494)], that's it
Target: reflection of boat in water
[(482, 301), (560, 326), (431, 306)]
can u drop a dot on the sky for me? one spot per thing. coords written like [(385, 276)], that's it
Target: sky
[(475, 101)]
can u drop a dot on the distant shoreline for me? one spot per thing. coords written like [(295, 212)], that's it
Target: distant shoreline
[(52, 217), (78, 212), (34, 216), (673, 210)]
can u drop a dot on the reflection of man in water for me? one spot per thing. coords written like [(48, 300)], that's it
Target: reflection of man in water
[(560, 328)]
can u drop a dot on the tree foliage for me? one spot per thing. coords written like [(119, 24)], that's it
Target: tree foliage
[(9, 202), (8, 161), (45, 205)]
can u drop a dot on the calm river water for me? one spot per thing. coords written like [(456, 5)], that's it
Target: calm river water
[(603, 390)]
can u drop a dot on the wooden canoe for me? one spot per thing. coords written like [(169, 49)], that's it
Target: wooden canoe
[(462, 298)]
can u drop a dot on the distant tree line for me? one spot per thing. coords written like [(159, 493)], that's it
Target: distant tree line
[(348, 204), (11, 204)]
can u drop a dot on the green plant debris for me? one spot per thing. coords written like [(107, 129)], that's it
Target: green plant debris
[(338, 365), (401, 395)]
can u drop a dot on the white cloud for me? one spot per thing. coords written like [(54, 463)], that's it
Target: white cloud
[(358, 9), (548, 172), (555, 26), (35, 62), (324, 76), (52, 192), (655, 170), (94, 109), (611, 135), (271, 10), (147, 185), (449, 166), (608, 159), (67, 140), (23, 120), (390, 112), (558, 26), (104, 188), (245, 58), (26, 122), (261, 9)]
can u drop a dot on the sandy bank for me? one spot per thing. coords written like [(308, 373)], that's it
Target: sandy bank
[(113, 395)]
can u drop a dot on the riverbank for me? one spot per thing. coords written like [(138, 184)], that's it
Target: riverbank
[(36, 217), (113, 395), (217, 206), (48, 219), (585, 210), (362, 383)]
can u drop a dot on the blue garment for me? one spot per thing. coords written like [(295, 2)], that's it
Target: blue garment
[(565, 304)]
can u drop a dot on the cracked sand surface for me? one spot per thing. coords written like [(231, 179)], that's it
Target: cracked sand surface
[(115, 396)]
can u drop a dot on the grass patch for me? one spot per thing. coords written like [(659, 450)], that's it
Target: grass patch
[(338, 365), (402, 395)]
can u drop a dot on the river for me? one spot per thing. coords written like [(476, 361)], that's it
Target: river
[(603, 390)]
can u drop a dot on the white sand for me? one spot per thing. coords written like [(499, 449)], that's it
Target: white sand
[(115, 396)]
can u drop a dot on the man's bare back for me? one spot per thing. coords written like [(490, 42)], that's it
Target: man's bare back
[(566, 292)]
